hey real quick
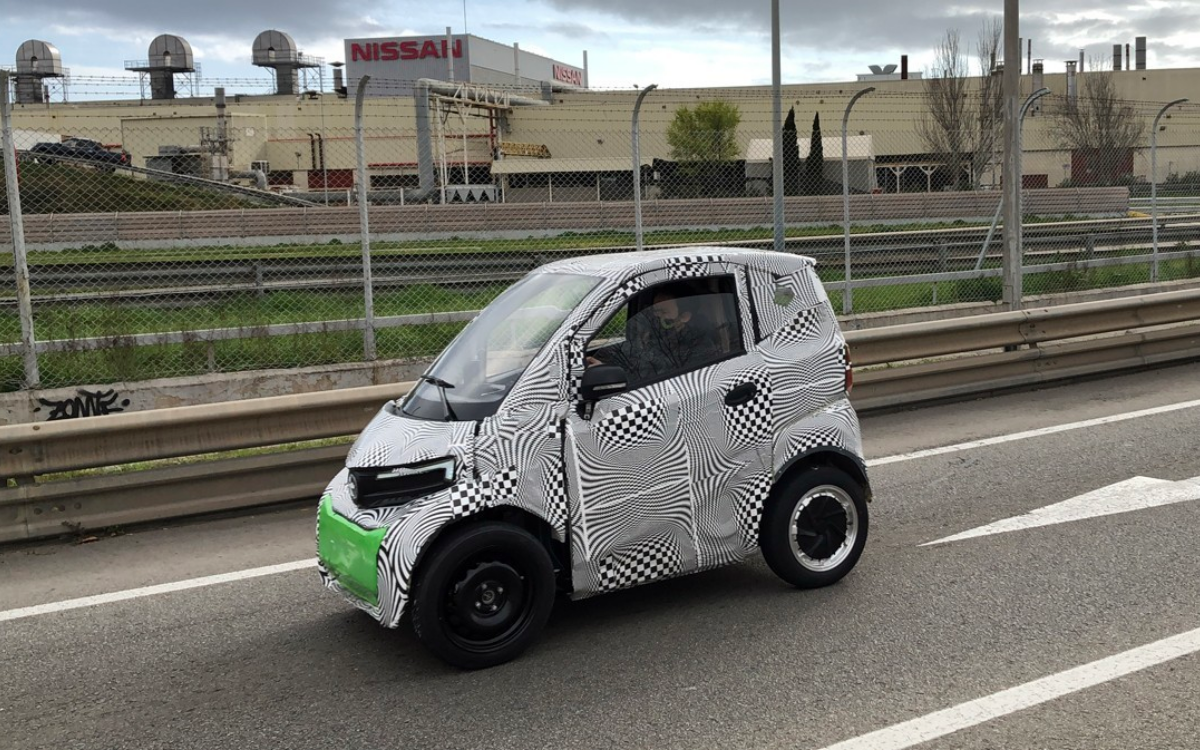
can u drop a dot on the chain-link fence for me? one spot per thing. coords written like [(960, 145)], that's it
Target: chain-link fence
[(214, 234)]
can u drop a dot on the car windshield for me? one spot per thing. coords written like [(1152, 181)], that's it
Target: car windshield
[(478, 369)]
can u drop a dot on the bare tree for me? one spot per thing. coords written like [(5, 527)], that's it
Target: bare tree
[(1100, 127), (963, 124), (989, 121)]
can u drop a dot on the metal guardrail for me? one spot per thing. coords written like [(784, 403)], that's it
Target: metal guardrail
[(161, 229), (1064, 342), (134, 281), (1179, 204), (1082, 260)]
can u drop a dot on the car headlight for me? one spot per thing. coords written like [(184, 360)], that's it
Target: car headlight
[(378, 487)]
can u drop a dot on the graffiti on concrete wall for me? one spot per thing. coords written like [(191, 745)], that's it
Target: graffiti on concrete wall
[(85, 404)]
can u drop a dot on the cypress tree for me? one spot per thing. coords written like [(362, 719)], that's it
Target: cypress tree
[(814, 165), (792, 166)]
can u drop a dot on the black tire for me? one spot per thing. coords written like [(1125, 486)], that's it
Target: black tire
[(815, 527), (483, 595)]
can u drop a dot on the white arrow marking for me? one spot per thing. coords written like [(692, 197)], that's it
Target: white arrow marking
[(1132, 494)]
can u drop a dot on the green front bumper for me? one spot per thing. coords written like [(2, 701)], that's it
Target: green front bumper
[(349, 552)]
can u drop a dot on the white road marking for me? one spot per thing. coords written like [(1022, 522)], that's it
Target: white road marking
[(1000, 439), (162, 588), (89, 601), (1132, 494), (964, 715)]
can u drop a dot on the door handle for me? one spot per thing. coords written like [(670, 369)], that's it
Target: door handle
[(740, 394)]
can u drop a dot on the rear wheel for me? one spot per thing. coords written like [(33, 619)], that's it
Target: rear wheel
[(483, 595), (815, 528)]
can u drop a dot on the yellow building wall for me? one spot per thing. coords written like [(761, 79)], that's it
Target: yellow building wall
[(584, 124)]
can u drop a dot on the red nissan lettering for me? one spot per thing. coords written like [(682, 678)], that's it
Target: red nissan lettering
[(389, 51)]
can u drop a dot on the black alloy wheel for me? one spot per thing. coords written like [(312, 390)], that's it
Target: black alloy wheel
[(814, 528)]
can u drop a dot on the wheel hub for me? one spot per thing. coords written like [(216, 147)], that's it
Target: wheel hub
[(824, 528), (489, 597), (486, 601)]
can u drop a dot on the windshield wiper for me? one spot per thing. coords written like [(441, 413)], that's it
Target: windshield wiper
[(442, 385)]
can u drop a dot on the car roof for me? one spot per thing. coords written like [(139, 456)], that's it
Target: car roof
[(626, 264)]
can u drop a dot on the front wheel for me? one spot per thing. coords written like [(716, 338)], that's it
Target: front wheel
[(483, 595), (815, 528)]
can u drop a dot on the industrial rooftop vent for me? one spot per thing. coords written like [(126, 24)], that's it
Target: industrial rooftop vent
[(169, 54), (276, 50), (37, 61), (882, 71)]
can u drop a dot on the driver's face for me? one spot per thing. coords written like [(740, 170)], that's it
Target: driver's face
[(666, 311)]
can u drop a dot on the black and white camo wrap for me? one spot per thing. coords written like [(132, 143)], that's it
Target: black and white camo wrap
[(662, 480)]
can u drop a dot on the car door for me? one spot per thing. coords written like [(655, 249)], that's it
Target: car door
[(662, 475)]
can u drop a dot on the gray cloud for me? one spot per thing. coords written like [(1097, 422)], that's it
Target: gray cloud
[(573, 30), (219, 18), (874, 31), (867, 27)]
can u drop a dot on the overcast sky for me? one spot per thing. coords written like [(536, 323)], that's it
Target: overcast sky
[(674, 43)]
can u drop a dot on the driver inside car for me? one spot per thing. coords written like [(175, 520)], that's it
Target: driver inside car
[(665, 338)]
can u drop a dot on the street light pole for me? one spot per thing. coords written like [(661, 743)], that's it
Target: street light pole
[(324, 168), (1154, 188), (847, 293), (987, 242), (364, 215), (777, 125), (637, 168), (1013, 247)]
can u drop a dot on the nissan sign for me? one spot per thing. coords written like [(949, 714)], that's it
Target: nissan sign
[(573, 76), (409, 49), (395, 63)]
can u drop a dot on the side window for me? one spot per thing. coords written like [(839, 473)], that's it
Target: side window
[(779, 300), (613, 332), (670, 329)]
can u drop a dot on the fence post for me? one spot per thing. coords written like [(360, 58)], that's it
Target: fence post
[(16, 221), (943, 264), (258, 278), (987, 243), (1154, 188), (364, 226), (847, 294)]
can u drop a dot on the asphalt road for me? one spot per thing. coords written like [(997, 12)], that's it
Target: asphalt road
[(730, 659)]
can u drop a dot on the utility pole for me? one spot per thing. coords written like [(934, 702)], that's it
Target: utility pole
[(1013, 255), (776, 126)]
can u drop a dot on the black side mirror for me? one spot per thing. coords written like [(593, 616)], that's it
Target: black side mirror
[(601, 381)]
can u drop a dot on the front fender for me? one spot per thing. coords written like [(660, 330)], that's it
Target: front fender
[(411, 530)]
